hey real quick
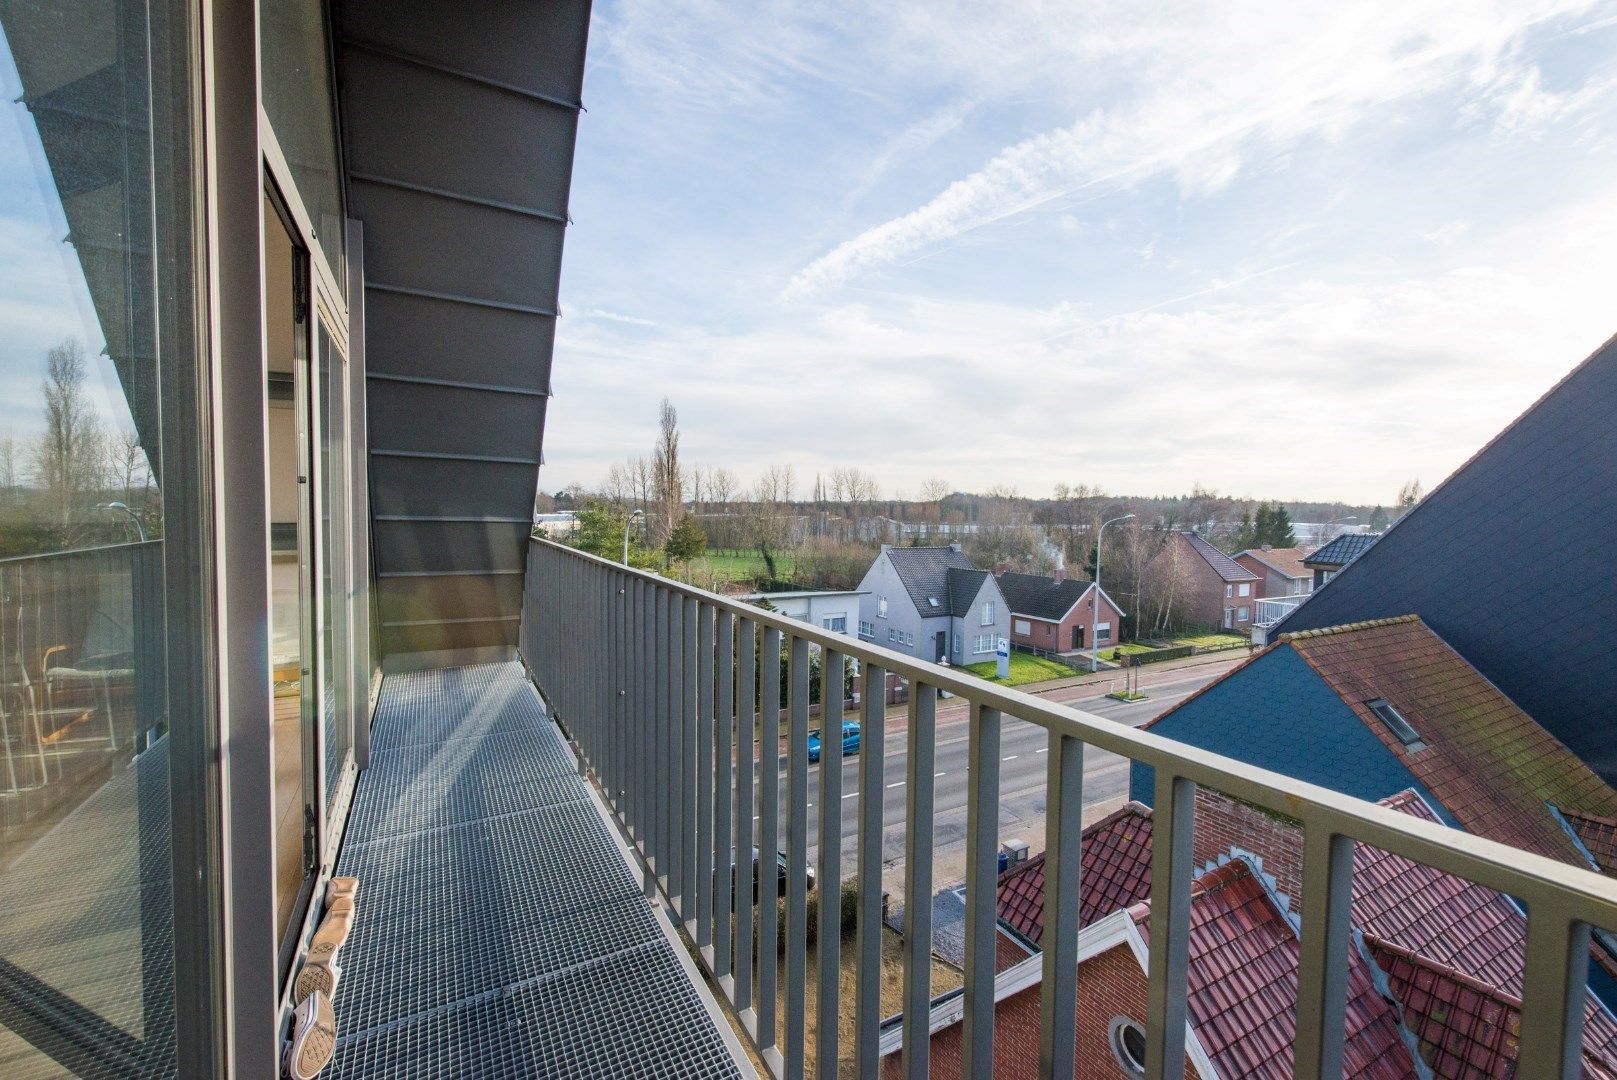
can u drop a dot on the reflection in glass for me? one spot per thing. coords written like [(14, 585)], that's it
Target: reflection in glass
[(298, 99), (93, 149), (333, 565)]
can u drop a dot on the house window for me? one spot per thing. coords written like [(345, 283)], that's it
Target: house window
[(988, 613), (1229, 591), (1103, 631), (984, 644), (1243, 614), (838, 623), (1246, 588), (892, 635), (1395, 722), (1022, 626), (867, 629), (1127, 1039), (881, 607)]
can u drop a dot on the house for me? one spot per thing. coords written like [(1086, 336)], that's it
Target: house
[(556, 524), (1213, 588), (837, 611), (1329, 560), (1505, 560), (933, 603), (1447, 952), (1281, 571), (1058, 613), (1374, 708)]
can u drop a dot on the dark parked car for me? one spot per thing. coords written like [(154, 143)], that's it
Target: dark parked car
[(780, 876)]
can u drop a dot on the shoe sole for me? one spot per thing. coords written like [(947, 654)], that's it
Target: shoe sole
[(331, 936), (313, 1045), (312, 977), (341, 887)]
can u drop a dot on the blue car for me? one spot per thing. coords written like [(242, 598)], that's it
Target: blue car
[(850, 740)]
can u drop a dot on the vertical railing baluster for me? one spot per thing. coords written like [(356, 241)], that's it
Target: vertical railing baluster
[(769, 674), (1172, 826), (723, 852), (797, 674), (676, 756), (1322, 970), (744, 881), (828, 1002), (706, 712), (982, 877), (661, 828), (1063, 863), (1554, 990), (918, 854), (690, 900), (867, 943), (645, 800)]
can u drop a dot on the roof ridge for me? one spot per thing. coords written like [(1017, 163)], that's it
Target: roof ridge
[(1346, 628), (1448, 971)]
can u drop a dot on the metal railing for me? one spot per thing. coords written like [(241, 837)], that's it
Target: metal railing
[(647, 674), (1271, 609)]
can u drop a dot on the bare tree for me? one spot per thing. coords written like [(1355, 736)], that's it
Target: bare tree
[(768, 523), (9, 479), (68, 456), (667, 480), (1408, 496), (723, 487), (700, 484)]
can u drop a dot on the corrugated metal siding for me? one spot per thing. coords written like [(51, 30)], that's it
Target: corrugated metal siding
[(458, 123), (1510, 562)]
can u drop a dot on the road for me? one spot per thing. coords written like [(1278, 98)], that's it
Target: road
[(1023, 749)]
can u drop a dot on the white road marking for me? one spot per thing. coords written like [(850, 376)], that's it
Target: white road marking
[(850, 795), (1010, 757), (936, 774), (1042, 750), (899, 784)]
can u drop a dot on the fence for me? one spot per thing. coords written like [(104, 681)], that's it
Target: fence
[(645, 675)]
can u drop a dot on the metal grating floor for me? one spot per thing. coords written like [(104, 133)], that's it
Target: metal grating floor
[(499, 932)]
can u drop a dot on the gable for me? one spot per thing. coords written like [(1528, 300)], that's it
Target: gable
[(1506, 562), (1277, 713)]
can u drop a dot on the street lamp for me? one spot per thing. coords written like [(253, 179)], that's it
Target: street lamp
[(1339, 521), (626, 519), (140, 526), (1094, 605)]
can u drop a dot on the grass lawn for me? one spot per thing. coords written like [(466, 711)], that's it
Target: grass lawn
[(719, 567), (1212, 641), (1127, 649), (1025, 668)]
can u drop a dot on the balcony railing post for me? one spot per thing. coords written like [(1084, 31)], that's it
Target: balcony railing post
[(674, 726), (746, 879), (982, 901), (1063, 868), (690, 900), (872, 771), (662, 761), (706, 711), (1554, 990), (769, 673), (1322, 971), (1172, 828), (797, 672), (828, 1004), (918, 854), (724, 851)]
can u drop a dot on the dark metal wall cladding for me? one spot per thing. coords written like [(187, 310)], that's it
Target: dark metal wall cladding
[(458, 124)]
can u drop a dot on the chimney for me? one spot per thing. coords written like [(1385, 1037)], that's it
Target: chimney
[(1015, 852), (1060, 574), (954, 545)]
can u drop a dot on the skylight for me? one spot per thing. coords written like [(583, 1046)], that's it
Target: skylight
[(1395, 722), (932, 600)]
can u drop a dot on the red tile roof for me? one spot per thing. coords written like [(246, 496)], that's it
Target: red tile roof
[(1465, 1029), (1242, 985), (1452, 922), (1489, 763), (1598, 834), (1116, 874)]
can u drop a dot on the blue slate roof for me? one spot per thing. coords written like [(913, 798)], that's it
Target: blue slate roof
[(925, 574), (1341, 551), (1226, 567), (964, 585), (1508, 560)]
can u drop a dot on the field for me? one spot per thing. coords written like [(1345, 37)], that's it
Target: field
[(716, 568)]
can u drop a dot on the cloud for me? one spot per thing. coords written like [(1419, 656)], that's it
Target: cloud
[(1212, 93)]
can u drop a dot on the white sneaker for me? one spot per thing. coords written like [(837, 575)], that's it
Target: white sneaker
[(314, 1037)]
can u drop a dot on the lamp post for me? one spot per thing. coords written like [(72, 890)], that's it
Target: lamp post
[(626, 519), (1094, 605), (1339, 521), (140, 526)]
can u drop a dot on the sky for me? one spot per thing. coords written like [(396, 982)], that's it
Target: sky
[(1287, 250)]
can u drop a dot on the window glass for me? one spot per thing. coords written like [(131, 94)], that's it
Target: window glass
[(300, 104), (337, 726), (97, 357)]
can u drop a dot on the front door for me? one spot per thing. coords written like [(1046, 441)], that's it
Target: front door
[(942, 646), (1078, 635)]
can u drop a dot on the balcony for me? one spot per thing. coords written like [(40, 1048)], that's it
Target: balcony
[(1269, 611), (654, 684)]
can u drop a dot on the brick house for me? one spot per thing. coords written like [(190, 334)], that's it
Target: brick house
[(1058, 613), (1280, 570), (1213, 588)]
